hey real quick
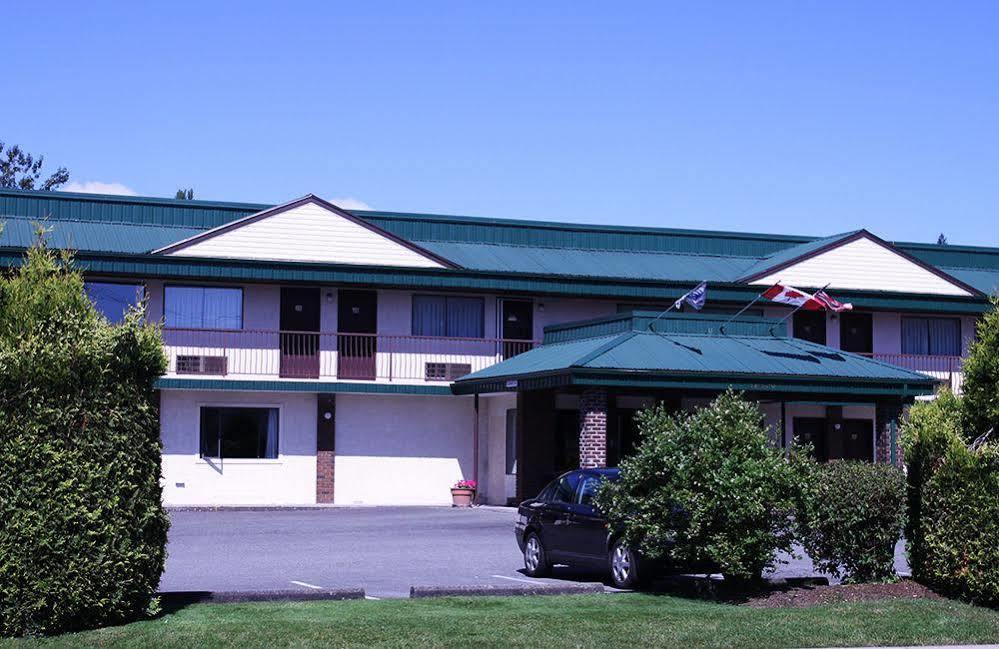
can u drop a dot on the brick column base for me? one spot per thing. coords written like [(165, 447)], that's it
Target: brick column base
[(888, 416), (325, 447), (324, 476), (593, 428)]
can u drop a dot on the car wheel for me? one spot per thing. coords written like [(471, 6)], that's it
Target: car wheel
[(535, 557), (624, 566)]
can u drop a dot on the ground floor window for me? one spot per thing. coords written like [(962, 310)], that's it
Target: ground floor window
[(239, 432)]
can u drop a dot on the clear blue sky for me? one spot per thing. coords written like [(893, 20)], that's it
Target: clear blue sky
[(801, 117)]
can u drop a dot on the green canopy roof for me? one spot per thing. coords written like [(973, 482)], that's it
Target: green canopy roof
[(695, 352)]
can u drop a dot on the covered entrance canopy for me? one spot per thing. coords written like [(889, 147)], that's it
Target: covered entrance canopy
[(585, 375)]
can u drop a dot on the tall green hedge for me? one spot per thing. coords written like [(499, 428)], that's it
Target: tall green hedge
[(953, 529), (980, 390), (82, 527)]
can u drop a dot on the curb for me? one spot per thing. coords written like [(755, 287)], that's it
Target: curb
[(183, 598), (418, 592)]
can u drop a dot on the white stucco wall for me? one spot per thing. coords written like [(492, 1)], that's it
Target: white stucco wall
[(401, 449), (498, 486), (190, 480)]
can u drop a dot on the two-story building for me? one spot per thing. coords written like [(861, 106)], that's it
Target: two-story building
[(320, 355)]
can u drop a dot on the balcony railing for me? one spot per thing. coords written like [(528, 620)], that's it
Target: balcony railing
[(341, 356), (946, 369)]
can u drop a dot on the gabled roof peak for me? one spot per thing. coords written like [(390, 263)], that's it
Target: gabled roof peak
[(306, 232)]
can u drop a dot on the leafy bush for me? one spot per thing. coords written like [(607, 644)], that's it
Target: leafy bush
[(852, 518), (953, 528), (82, 528), (706, 489)]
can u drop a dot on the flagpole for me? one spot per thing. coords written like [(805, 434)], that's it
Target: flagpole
[(668, 309), (796, 309), (756, 299), (673, 305)]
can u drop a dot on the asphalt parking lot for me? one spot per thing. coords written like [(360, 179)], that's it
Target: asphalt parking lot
[(384, 550)]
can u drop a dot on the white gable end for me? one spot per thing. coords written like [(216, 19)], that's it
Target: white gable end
[(306, 233), (865, 265)]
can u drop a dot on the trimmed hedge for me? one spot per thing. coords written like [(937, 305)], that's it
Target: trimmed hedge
[(851, 519), (953, 526), (82, 527), (706, 490)]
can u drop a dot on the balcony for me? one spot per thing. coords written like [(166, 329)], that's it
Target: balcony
[(946, 369), (247, 354)]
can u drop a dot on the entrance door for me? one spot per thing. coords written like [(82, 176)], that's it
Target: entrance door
[(810, 326), (566, 441), (856, 333), (813, 431), (858, 439), (299, 346), (357, 324), (517, 326), (622, 441)]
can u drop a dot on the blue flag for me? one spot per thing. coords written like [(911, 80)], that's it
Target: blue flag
[(695, 297)]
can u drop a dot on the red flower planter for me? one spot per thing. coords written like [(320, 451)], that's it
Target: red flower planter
[(462, 496)]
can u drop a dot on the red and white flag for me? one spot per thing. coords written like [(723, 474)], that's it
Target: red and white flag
[(832, 304), (818, 302)]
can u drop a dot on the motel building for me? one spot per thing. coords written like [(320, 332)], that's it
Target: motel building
[(323, 355)]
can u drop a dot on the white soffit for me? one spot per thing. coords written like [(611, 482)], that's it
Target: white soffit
[(308, 230), (867, 265)]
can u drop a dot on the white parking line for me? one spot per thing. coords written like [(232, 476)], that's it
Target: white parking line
[(526, 581), (302, 583)]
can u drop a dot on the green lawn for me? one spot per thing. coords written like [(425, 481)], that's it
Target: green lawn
[(569, 621)]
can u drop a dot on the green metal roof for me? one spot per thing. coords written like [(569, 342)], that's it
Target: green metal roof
[(677, 348), (591, 263), (19, 232), (516, 253)]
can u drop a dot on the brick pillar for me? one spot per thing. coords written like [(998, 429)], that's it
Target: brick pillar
[(888, 417), (593, 428), (325, 447)]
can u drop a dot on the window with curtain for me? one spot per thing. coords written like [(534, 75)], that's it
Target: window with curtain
[(239, 432), (931, 336), (113, 300), (203, 307), (455, 317)]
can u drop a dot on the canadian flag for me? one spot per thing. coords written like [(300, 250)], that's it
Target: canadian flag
[(818, 302)]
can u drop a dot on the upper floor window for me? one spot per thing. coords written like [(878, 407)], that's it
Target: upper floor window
[(455, 317), (113, 300), (810, 326), (931, 336), (203, 307)]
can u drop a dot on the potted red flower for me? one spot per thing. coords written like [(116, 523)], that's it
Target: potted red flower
[(463, 493)]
